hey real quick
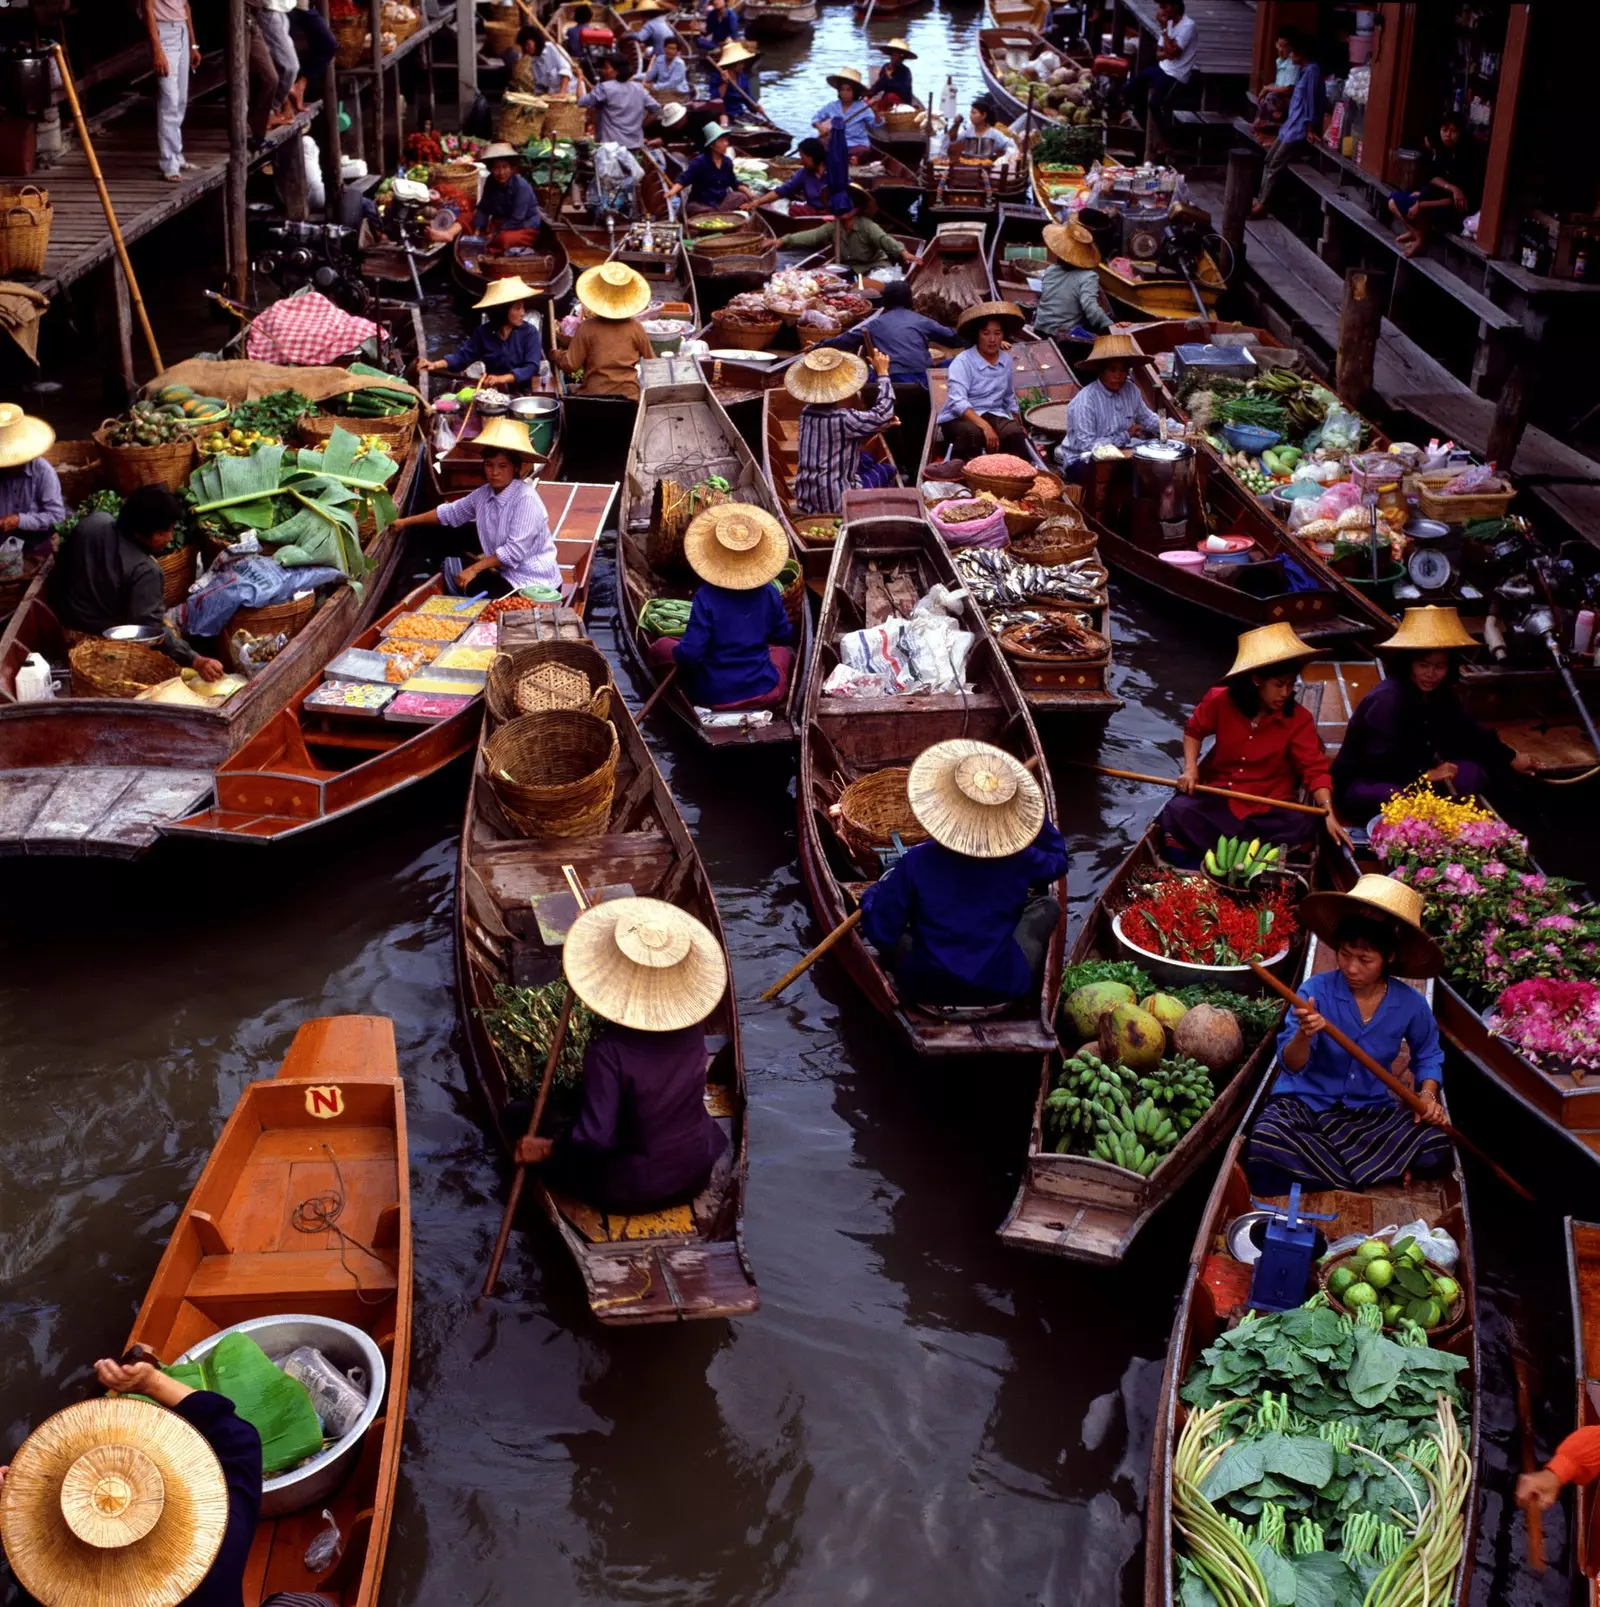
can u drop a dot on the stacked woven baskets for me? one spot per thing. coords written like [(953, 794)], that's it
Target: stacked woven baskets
[(554, 774), (129, 467), (177, 566), (540, 676), (25, 218), (355, 40)]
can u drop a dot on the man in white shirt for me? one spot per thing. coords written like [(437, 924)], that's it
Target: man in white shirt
[(1177, 45)]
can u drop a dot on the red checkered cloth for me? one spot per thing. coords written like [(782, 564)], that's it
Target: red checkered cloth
[(306, 332)]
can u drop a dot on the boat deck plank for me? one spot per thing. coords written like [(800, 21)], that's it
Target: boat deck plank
[(109, 809)]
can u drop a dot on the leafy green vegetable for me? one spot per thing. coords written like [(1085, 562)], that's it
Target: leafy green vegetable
[(1079, 146), (276, 1405), (1091, 971)]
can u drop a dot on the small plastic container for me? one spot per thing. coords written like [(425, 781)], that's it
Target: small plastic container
[(1250, 438)]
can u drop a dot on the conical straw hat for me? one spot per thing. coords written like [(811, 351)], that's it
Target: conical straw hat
[(904, 49), (113, 1503), (825, 374), (1268, 645), (501, 291), (614, 290), (846, 75), (644, 963), (1383, 898), (1113, 349), (22, 436), (735, 545), (975, 799), (1072, 243), (1011, 317), (734, 52), (1429, 630), (506, 434), (499, 152)]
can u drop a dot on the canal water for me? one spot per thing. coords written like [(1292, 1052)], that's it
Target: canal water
[(917, 1415)]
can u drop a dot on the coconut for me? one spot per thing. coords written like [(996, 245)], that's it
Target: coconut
[(1128, 1035), (1166, 1009), (1085, 1007), (1211, 1036)]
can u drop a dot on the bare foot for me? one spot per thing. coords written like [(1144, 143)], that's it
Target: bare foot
[(1411, 248)]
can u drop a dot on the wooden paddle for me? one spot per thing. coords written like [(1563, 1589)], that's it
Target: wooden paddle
[(754, 105), (1406, 1095), (650, 702), (1215, 792), (557, 1040), (1530, 1460)]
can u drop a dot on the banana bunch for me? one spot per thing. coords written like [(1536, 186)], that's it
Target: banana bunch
[(1237, 863), (1302, 399), (1182, 1087), (1137, 1139), (1087, 1095)]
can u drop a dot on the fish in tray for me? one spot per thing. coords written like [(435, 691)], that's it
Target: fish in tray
[(997, 579)]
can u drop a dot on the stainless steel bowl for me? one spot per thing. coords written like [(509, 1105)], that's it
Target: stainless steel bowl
[(534, 407), (143, 635), (345, 1347)]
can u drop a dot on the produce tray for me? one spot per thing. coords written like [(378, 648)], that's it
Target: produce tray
[(462, 607), (483, 633), (420, 708), (427, 627), (358, 664), (434, 682), (358, 699), (461, 656)]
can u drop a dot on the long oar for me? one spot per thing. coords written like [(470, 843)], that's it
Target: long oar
[(848, 924), (650, 702), (1406, 1095), (1530, 1460), (1215, 792), (557, 1040)]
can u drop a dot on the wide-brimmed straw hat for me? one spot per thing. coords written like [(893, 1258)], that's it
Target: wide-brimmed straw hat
[(513, 287), (735, 51), (1384, 899), (1113, 349), (975, 799), (504, 435), (1429, 630), (644, 963), (904, 49), (113, 1501), (1011, 317), (862, 199), (647, 8), (498, 152), (672, 114), (846, 75), (1072, 243), (825, 374), (1267, 646), (614, 290), (22, 436), (736, 545)]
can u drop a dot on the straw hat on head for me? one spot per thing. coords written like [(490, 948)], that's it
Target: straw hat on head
[(499, 151), (736, 546), (614, 290), (647, 8), (735, 51), (645, 964), (1429, 630), (1011, 317), (513, 287), (825, 374), (1266, 647), (672, 114), (113, 1501), (901, 46), (846, 75), (863, 200), (22, 436), (1113, 349), (1384, 899), (975, 799), (505, 435), (1073, 244)]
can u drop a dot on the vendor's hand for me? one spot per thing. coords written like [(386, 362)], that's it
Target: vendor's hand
[(880, 362), (1430, 1110), (1540, 1490), (1525, 764), (1441, 772), (210, 669), (990, 438), (431, 365), (1190, 779), (499, 380), (1308, 1020), (10, 522), (531, 1151), (1136, 431), (136, 1378), (1337, 832)]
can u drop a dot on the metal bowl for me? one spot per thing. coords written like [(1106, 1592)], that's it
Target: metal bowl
[(534, 407), (345, 1346), (141, 635), (493, 409)]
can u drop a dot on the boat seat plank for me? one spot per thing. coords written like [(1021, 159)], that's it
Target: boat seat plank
[(224, 1280), (287, 1146), (22, 795), (116, 808), (1070, 1229), (258, 1209), (513, 880)]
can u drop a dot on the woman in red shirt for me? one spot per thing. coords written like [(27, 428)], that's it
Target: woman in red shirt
[(1264, 743)]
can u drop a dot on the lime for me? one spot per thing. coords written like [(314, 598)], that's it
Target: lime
[(1448, 1291), (1434, 1314), (1373, 1247), (1339, 1280), (1380, 1273), (1361, 1294), (1414, 1254), (1392, 1315)]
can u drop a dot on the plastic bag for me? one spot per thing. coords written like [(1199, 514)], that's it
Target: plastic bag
[(937, 649), (1341, 430), (989, 532), (843, 681), (1437, 1246), (879, 651), (11, 558), (326, 1547), (338, 1401)]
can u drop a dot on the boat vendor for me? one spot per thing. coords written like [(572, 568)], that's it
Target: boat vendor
[(1265, 743), (1109, 410), (105, 576), (1070, 304), (539, 68), (643, 1139), (610, 342), (507, 342), (710, 179), (653, 34), (1329, 1123), (829, 457), (849, 112), (508, 210), (517, 548), (30, 489), (1411, 725), (981, 412), (987, 140), (892, 86), (805, 189), (668, 73), (721, 28), (153, 1501), (967, 917), (734, 653), (740, 99), (1577, 1461), (619, 104), (854, 237)]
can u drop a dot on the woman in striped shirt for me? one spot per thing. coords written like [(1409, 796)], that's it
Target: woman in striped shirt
[(1109, 411), (831, 434)]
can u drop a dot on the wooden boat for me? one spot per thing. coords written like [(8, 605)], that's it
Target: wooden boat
[(1087, 1209), (967, 189), (1159, 295), (724, 264), (885, 177), (331, 1124), (1215, 1288), (1017, 256), (1583, 1274), (902, 139), (1019, 44), (775, 19), (813, 535), (844, 739), (952, 273), (684, 1263), (387, 263), (100, 776), (545, 268), (681, 437), (308, 767), (460, 470), (1029, 14), (1041, 375)]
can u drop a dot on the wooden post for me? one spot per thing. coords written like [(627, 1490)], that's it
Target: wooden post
[(1502, 132), (376, 142), (466, 56), (358, 117), (1240, 192), (1360, 319), (238, 147), (1510, 417), (427, 99), (122, 305), (332, 148), (289, 163)]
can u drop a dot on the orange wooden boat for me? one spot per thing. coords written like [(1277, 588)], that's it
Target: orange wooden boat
[(333, 1119), (1583, 1268)]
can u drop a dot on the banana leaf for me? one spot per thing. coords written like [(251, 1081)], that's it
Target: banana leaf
[(276, 1405)]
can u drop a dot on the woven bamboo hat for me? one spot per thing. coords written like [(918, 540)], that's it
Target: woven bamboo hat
[(1073, 244), (499, 152), (735, 545), (501, 291), (672, 114), (1266, 646), (825, 374), (647, 8), (1384, 899), (113, 1503), (614, 290), (1011, 317), (975, 799), (846, 75), (22, 436), (734, 52), (505, 435), (1113, 349), (903, 48), (644, 963), (1429, 630)]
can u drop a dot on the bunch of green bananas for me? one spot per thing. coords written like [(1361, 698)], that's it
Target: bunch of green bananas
[(1304, 401), (1182, 1087), (1136, 1139), (1237, 863), (1088, 1092)]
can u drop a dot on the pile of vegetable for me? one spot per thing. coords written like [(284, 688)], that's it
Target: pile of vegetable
[(274, 415), (1069, 147), (664, 616), (550, 162), (96, 502), (522, 1022), (1277, 399), (153, 424), (1055, 89), (371, 401), (1397, 1280)]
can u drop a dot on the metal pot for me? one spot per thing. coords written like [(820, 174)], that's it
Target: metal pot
[(141, 635), (29, 79), (1166, 505)]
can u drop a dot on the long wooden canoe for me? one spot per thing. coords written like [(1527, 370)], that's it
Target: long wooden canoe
[(952, 273), (681, 437), (546, 269), (1087, 1209), (1023, 45), (672, 1266), (1017, 254), (1206, 1309), (1583, 1272), (844, 739), (332, 1123), (776, 19)]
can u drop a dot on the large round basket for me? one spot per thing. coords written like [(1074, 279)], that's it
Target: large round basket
[(745, 337), (355, 41), (501, 36), (1450, 1319), (177, 573), (129, 467), (1014, 489), (457, 184), (554, 774), (563, 118), (80, 469), (25, 218), (287, 619), (1056, 639), (902, 119), (541, 676), (872, 810), (316, 428), (813, 335), (101, 668), (521, 118), (1055, 541)]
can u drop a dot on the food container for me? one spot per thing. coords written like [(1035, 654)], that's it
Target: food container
[(360, 698), (143, 635), (1182, 558), (1213, 362), (1183, 973), (1250, 438), (541, 414), (1218, 546), (358, 664)]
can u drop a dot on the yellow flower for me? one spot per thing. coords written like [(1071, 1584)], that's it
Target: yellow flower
[(1446, 815)]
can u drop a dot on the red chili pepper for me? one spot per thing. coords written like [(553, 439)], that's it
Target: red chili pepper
[(1187, 918)]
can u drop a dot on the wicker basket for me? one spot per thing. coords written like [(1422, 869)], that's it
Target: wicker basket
[(521, 118), (1018, 642), (129, 467), (457, 184), (554, 774), (80, 469), (404, 30), (1013, 490), (101, 668), (177, 573), (548, 675), (25, 218), (872, 809), (1051, 543), (745, 337), (732, 245), (355, 41), (791, 583), (317, 428), (902, 120), (288, 618), (499, 37), (1455, 510), (1023, 522), (671, 508), (812, 335), (563, 118)]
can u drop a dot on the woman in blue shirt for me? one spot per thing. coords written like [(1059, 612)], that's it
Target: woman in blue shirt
[(981, 412), (721, 28), (1330, 1124), (892, 86), (710, 179), (506, 342), (850, 113)]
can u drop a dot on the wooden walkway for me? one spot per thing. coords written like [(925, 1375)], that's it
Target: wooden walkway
[(1227, 33)]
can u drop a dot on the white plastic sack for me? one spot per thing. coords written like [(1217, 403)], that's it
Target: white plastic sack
[(880, 651), (843, 681), (1440, 1249)]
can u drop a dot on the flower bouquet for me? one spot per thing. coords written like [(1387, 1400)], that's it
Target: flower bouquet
[(1551, 1021)]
